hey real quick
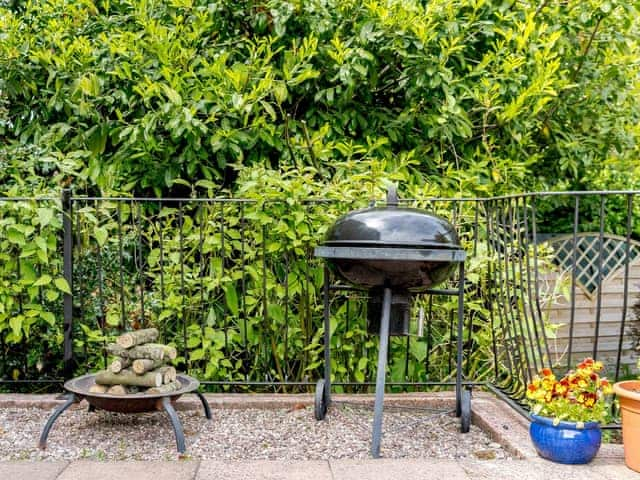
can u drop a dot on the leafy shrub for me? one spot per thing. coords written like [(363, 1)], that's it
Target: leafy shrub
[(482, 93), (281, 102), (31, 287)]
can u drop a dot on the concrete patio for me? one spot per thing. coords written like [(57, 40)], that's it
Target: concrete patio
[(500, 422)]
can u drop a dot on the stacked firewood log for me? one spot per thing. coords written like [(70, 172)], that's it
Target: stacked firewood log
[(138, 366)]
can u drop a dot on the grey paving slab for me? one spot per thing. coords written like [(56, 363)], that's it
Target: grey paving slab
[(613, 467), (383, 469), (531, 470), (616, 472), (86, 470), (503, 425), (264, 470), (31, 470)]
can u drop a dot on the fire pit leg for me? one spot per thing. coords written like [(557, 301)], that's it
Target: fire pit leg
[(381, 373), (175, 421), (205, 405), (71, 399)]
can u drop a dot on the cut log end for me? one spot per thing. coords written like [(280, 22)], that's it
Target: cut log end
[(117, 390), (119, 364), (169, 374), (98, 388), (171, 352), (143, 365)]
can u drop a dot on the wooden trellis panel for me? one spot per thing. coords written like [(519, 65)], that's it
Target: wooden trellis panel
[(586, 294)]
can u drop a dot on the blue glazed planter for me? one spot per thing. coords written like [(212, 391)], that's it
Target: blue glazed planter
[(565, 443)]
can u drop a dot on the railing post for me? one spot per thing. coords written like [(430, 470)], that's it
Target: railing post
[(67, 270)]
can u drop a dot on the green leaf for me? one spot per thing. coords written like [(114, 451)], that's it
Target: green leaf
[(193, 342), (418, 350), (42, 244), (101, 235), (197, 354), (113, 319), (15, 236), (232, 299), (154, 257), (28, 273), (173, 96), (16, 325), (362, 363), (276, 312), (52, 295), (43, 280), (62, 285), (280, 92), (44, 216), (48, 317), (211, 317)]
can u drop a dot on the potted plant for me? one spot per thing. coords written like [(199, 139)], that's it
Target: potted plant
[(566, 412), (628, 392)]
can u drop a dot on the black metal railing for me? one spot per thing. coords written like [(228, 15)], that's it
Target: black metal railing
[(561, 271), (234, 285)]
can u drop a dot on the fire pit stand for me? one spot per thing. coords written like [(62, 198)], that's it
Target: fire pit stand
[(78, 389), (393, 270)]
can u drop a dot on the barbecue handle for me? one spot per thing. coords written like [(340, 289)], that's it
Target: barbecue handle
[(392, 195)]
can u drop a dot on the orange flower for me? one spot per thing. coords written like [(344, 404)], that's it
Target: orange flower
[(590, 400), (562, 387), (546, 372)]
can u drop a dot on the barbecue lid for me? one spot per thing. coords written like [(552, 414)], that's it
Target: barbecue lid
[(392, 226)]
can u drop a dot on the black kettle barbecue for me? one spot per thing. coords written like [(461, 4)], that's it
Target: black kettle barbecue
[(392, 252)]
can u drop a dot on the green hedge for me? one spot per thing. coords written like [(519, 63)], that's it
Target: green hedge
[(486, 96)]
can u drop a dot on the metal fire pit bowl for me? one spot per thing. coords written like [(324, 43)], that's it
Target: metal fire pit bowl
[(78, 389), (132, 403)]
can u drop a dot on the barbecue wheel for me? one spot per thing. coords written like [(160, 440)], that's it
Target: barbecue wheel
[(320, 404), (465, 418)]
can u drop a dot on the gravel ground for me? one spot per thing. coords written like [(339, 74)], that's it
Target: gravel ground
[(240, 434)]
